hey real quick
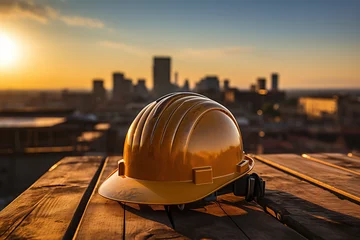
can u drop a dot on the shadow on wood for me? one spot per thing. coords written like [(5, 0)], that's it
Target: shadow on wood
[(315, 221), (218, 220)]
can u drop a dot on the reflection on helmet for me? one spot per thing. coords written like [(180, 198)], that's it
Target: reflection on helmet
[(179, 149)]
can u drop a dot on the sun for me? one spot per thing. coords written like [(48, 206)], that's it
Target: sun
[(8, 50)]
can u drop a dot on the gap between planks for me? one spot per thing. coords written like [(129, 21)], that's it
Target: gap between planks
[(79, 212)]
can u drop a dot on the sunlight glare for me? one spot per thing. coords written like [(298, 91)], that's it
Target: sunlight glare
[(8, 50)]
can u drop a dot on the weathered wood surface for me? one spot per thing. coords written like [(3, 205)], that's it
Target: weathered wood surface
[(335, 177), (339, 160), (50, 208), (228, 218), (315, 212), (64, 203), (354, 155)]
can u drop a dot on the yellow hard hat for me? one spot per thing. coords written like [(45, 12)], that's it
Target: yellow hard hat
[(179, 149)]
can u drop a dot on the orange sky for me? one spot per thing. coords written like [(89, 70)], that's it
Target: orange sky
[(69, 51)]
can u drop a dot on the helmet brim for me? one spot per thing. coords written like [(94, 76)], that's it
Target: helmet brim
[(126, 189)]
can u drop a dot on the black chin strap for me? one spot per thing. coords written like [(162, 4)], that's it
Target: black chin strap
[(168, 212)]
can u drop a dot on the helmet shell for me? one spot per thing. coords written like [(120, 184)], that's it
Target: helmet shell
[(180, 132), (179, 149)]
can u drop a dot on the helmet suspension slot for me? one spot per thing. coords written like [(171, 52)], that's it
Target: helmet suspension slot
[(203, 175), (242, 166), (121, 167)]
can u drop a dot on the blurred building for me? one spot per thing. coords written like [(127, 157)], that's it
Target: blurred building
[(186, 87), (253, 87), (261, 84), (118, 79), (251, 100), (34, 140), (140, 91), (43, 99), (161, 76), (226, 85), (332, 118), (209, 83), (128, 89), (122, 88), (82, 101), (99, 91), (349, 111), (176, 76), (274, 81), (210, 87), (318, 108), (345, 110)]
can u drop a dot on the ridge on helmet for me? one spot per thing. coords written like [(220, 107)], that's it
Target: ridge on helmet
[(181, 143)]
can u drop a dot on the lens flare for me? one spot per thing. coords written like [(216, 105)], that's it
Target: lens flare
[(8, 50)]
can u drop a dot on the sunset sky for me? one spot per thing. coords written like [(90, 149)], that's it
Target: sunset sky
[(67, 43)]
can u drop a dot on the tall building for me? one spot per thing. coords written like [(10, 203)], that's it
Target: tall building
[(99, 91), (176, 75), (128, 89), (118, 79), (274, 81), (261, 84), (122, 87), (226, 85), (161, 76)]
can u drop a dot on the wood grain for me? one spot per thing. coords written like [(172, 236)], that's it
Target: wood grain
[(228, 219), (332, 176), (64, 203), (51, 206), (312, 211), (256, 224), (104, 219), (339, 159)]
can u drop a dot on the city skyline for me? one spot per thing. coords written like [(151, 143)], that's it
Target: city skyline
[(66, 44)]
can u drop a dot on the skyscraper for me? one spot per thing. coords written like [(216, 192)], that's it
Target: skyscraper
[(118, 79), (226, 85), (99, 91), (122, 87), (176, 78), (274, 81), (261, 84), (161, 76), (128, 89)]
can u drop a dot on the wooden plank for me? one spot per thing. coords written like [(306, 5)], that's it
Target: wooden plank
[(338, 192), (346, 161), (105, 218), (336, 160), (228, 218), (200, 221), (52, 206), (251, 218), (312, 211), (336, 178), (354, 155)]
